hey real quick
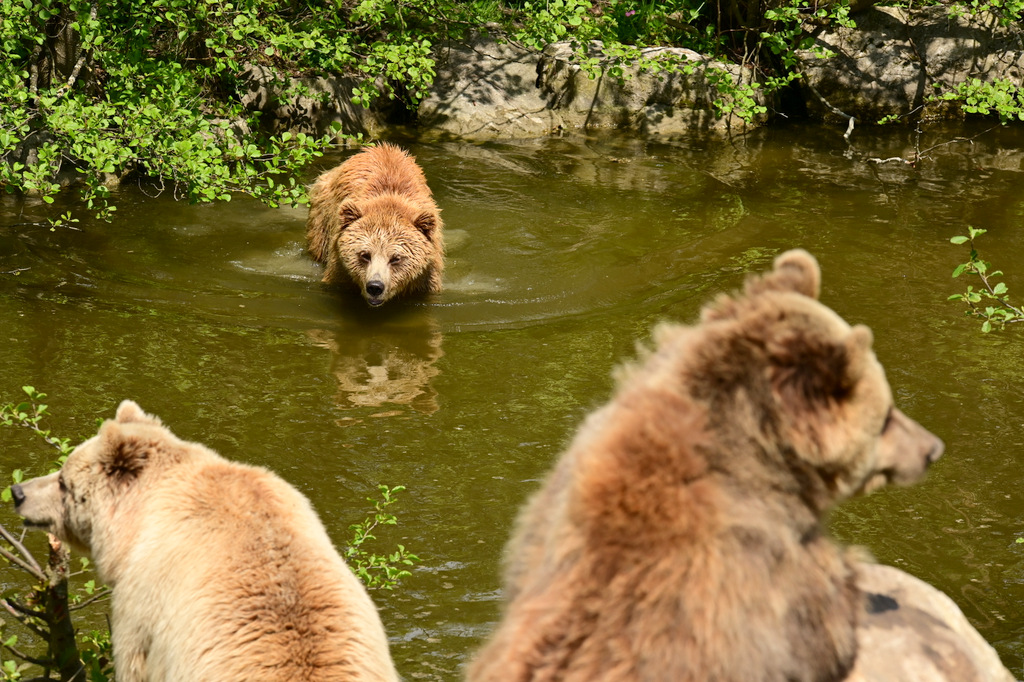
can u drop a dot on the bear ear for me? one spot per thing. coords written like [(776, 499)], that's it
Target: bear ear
[(349, 212), (124, 455), (811, 374), (426, 223), (794, 270), (129, 411), (858, 348)]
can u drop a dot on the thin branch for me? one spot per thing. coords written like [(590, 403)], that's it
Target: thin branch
[(34, 566), (42, 663), (890, 159), (104, 593), (23, 618), (957, 139), (828, 105), (20, 563), (1015, 309), (19, 609)]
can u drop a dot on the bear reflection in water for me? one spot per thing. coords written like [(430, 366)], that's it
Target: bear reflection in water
[(384, 366)]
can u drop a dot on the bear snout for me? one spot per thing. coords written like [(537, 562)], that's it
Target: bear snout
[(375, 290), (936, 450), (18, 494)]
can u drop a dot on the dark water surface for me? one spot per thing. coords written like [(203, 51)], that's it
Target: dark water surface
[(562, 253)]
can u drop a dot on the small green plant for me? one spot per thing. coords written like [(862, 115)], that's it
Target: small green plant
[(375, 570), (990, 302), (1007, 11), (785, 33), (1000, 97), (734, 98)]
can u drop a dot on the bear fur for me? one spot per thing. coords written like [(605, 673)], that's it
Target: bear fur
[(373, 224), (680, 536), (219, 571)]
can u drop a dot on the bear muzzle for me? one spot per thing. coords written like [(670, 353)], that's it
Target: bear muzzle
[(374, 290), (36, 500)]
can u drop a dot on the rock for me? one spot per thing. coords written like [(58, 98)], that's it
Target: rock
[(310, 105), (485, 90), (895, 61), (912, 632)]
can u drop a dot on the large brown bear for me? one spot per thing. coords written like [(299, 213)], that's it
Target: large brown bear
[(373, 223), (220, 572), (680, 537)]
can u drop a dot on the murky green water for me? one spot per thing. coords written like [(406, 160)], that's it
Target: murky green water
[(562, 254)]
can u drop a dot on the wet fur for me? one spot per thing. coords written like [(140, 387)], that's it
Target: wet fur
[(373, 221), (679, 537)]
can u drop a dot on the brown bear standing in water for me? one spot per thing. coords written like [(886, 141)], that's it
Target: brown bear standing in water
[(680, 537), (373, 223)]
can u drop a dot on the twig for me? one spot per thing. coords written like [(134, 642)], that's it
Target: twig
[(29, 563), (16, 610), (105, 592), (23, 565), (957, 139), (828, 105), (891, 158), (1015, 309), (25, 657)]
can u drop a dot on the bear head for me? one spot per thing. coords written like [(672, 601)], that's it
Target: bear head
[(76, 502), (387, 244), (783, 373)]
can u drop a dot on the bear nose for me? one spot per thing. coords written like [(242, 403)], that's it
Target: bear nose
[(375, 287), (938, 447), (18, 494)]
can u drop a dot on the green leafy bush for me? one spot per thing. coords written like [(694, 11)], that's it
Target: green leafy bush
[(1001, 97)]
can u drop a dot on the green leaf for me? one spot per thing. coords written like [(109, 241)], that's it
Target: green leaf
[(960, 239)]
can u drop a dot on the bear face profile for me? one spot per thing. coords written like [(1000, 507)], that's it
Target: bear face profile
[(680, 535), (374, 225), (218, 570)]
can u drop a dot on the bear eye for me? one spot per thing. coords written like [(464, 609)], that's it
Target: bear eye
[(364, 256), (395, 260)]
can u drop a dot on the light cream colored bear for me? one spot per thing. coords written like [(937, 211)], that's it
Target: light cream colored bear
[(220, 572)]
